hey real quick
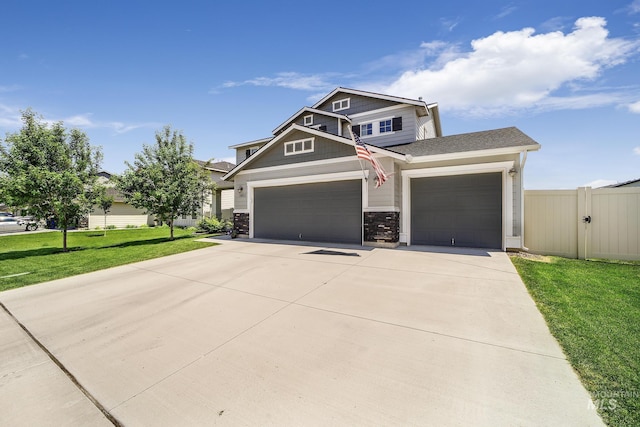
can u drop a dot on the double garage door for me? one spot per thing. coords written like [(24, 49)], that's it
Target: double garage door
[(318, 212), (463, 210)]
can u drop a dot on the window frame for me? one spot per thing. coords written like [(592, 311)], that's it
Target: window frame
[(390, 126), (302, 149), (309, 122), (366, 125), (340, 103)]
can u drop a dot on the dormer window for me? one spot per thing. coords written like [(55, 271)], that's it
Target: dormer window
[(385, 126), (308, 120), (341, 104), (249, 151), (366, 129), (298, 147)]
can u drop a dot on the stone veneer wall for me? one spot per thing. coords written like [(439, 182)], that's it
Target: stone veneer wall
[(241, 224), (382, 227)]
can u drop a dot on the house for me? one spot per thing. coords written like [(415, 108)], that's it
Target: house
[(631, 183), (218, 204), (121, 214), (305, 182)]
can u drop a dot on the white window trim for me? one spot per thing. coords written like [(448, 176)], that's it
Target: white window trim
[(252, 150), (301, 141), (507, 193), (310, 120), (375, 127), (340, 101), (391, 132), (372, 129)]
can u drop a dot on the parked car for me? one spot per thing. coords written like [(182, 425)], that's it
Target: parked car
[(10, 222)]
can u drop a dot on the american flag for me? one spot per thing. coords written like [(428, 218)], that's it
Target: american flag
[(363, 153)]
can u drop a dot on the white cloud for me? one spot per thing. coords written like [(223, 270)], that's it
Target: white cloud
[(10, 88), (450, 24), (80, 120), (9, 117), (510, 71), (290, 80), (506, 11), (636, 151), (635, 107), (600, 183), (634, 7)]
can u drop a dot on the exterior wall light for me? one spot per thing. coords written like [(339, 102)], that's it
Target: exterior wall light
[(240, 190), (512, 172)]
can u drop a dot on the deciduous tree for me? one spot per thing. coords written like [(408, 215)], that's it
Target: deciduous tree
[(50, 171), (163, 179)]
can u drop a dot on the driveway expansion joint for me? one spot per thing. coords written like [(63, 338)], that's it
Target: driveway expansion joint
[(64, 370)]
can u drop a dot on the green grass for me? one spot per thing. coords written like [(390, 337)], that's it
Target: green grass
[(593, 310), (40, 254)]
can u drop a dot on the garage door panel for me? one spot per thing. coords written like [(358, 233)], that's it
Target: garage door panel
[(322, 212), (465, 208)]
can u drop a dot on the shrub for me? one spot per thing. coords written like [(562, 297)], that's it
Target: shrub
[(130, 226), (110, 227), (213, 225)]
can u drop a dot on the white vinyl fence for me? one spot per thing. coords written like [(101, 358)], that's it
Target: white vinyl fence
[(584, 223)]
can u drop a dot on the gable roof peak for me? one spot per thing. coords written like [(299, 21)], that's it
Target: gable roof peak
[(399, 99)]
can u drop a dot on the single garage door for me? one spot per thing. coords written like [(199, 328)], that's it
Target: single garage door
[(463, 210), (319, 212)]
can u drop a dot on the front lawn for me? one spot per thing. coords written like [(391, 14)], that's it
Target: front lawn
[(38, 257), (593, 310)]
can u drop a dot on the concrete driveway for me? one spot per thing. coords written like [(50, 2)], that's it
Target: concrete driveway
[(250, 333)]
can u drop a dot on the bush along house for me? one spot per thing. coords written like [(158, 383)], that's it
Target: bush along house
[(406, 183)]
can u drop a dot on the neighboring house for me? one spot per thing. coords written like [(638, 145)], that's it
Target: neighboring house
[(218, 204), (631, 183), (306, 183), (121, 213)]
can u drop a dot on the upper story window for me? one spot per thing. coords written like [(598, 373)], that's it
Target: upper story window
[(385, 126), (308, 120), (381, 126), (341, 104), (249, 151), (298, 147)]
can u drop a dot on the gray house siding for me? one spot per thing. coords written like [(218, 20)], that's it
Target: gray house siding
[(358, 104), (240, 180), (382, 196), (406, 135), (331, 123), (323, 149)]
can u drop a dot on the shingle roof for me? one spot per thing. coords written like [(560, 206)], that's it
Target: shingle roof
[(623, 184), (510, 137), (218, 166)]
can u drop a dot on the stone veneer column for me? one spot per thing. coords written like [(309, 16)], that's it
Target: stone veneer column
[(382, 229), (241, 224)]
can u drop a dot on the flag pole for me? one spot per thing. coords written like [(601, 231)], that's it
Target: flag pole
[(359, 159)]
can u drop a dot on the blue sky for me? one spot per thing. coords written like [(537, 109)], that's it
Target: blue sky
[(567, 73)]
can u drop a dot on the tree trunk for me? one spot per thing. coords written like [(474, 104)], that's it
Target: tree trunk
[(171, 228), (64, 239)]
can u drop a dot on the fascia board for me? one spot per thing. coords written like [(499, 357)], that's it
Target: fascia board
[(310, 110), (250, 143), (314, 132), (476, 153), (369, 95)]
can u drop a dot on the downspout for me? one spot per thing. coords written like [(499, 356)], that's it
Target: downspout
[(523, 161)]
